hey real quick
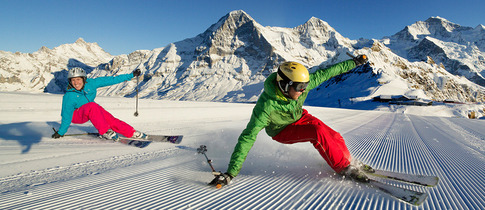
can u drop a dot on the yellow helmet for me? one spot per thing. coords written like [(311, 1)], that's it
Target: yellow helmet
[(292, 74)]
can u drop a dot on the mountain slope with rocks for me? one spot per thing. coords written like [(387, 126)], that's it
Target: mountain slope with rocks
[(460, 49), (33, 72)]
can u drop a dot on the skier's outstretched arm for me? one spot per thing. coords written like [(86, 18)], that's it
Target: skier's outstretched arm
[(259, 120)]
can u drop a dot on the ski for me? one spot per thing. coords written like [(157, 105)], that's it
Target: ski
[(409, 196), (140, 143), (82, 134), (127, 141), (134, 142), (428, 181), (177, 139)]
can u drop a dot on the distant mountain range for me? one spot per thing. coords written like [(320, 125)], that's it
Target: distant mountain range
[(435, 59)]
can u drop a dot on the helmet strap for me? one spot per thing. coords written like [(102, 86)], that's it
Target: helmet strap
[(284, 87), (285, 83)]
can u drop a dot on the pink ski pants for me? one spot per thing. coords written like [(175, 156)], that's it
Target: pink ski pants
[(101, 119), (329, 143)]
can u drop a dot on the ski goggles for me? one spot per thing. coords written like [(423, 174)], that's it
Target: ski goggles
[(299, 86)]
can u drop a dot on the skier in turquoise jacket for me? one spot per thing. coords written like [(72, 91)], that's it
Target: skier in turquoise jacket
[(279, 110), (78, 106)]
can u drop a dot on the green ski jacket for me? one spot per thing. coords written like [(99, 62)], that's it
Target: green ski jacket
[(273, 111)]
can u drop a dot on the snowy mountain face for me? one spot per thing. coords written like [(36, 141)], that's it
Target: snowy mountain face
[(231, 59), (460, 49), (46, 69), (390, 74)]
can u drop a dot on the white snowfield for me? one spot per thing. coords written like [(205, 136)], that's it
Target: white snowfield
[(38, 172)]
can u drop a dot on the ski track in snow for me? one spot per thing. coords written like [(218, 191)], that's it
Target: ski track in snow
[(274, 176)]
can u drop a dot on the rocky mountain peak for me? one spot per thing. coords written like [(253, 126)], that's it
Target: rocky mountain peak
[(235, 33), (231, 21), (480, 29), (317, 23), (436, 27), (80, 41), (45, 49), (316, 32), (239, 14), (440, 25)]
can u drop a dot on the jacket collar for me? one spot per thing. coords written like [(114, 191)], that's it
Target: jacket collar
[(272, 90)]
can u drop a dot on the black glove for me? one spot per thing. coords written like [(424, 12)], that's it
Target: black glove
[(221, 179), (136, 73), (56, 135), (360, 60)]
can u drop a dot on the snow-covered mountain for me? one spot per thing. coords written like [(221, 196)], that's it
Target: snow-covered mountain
[(231, 59), (460, 49), (42, 70)]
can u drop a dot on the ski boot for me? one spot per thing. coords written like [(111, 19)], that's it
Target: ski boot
[(363, 167), (139, 135), (355, 174), (366, 168), (110, 135)]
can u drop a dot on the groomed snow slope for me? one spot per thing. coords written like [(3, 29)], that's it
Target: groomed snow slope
[(38, 172)]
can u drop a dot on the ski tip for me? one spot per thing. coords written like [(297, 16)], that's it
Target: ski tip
[(434, 183), (420, 200), (172, 139), (179, 139)]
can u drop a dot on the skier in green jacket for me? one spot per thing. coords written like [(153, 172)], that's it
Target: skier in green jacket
[(279, 110)]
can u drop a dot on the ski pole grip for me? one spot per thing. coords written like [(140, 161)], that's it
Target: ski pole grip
[(202, 149)]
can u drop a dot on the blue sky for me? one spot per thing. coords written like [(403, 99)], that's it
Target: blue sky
[(122, 26)]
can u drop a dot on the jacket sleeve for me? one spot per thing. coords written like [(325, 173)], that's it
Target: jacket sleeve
[(66, 114), (107, 81), (259, 120), (322, 75)]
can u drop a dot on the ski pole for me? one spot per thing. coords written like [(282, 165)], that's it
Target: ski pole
[(77, 134), (137, 79), (201, 150), (352, 56)]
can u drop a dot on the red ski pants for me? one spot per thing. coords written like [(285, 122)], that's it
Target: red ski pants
[(328, 142), (101, 119)]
